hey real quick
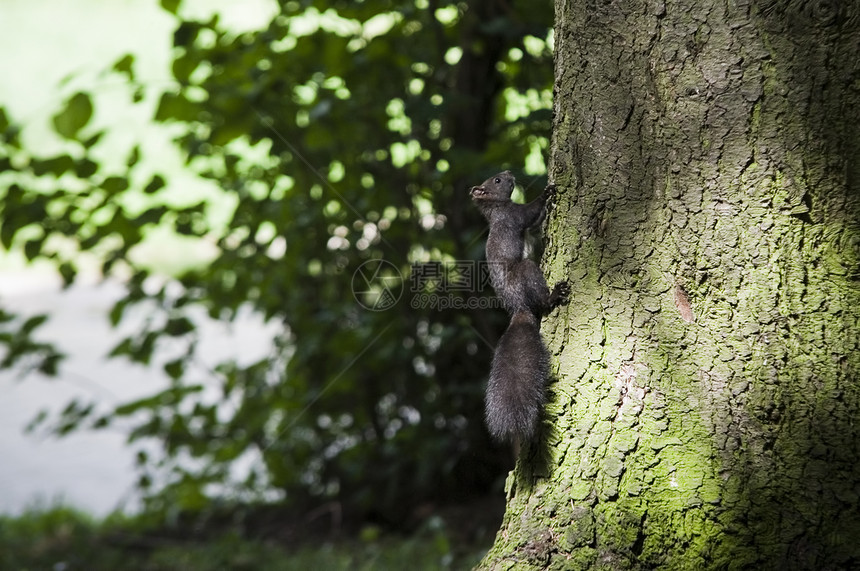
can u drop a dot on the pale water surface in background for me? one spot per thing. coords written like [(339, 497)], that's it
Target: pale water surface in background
[(90, 470)]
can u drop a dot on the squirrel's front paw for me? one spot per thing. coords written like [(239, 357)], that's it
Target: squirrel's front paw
[(560, 294), (550, 191)]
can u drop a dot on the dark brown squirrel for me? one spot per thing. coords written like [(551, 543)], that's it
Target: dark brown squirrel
[(515, 391)]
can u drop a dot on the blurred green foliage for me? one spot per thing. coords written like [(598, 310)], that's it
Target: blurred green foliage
[(62, 538), (372, 119)]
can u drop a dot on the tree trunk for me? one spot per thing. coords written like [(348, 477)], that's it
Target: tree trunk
[(705, 410)]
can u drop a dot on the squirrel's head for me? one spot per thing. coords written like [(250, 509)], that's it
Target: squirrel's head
[(497, 187)]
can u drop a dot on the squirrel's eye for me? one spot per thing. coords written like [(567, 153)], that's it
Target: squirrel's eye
[(497, 180)]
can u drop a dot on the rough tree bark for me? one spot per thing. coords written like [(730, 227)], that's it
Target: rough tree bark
[(706, 408)]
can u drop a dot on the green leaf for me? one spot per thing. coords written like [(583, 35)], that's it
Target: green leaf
[(134, 406), (144, 482), (183, 67), (185, 34), (178, 326), (122, 348), (170, 5), (116, 311), (151, 216), (72, 416), (175, 368), (85, 168), (7, 234), (114, 184), (143, 348), (155, 184), (56, 166), (91, 141), (32, 323), (32, 248), (36, 421), (175, 107), (4, 120), (78, 111), (124, 66), (50, 363), (67, 272), (134, 156)]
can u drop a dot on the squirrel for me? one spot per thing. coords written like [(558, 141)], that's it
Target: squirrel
[(515, 391)]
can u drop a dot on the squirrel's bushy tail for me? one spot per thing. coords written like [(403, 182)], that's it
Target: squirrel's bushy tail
[(515, 391)]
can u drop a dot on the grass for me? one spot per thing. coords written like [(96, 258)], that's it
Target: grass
[(63, 539)]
